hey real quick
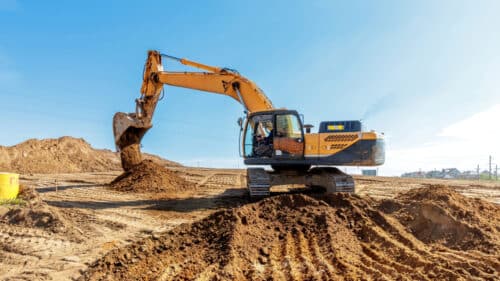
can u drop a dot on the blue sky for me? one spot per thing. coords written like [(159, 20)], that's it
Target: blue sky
[(411, 69)]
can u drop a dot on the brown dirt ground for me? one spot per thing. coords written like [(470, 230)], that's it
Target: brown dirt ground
[(33, 212), (333, 237), (438, 214), (171, 235), (62, 155), (149, 176)]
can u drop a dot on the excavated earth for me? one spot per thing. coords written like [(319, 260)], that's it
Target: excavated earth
[(439, 215), (431, 233), (62, 155), (33, 212), (149, 176)]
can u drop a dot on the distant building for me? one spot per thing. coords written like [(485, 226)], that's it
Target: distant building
[(449, 173), (414, 175), (370, 172), (434, 174), (469, 175)]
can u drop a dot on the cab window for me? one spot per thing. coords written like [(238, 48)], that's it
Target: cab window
[(288, 126)]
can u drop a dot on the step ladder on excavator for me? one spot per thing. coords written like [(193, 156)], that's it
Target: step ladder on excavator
[(258, 182)]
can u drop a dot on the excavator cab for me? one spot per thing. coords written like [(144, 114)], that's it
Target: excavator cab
[(273, 135)]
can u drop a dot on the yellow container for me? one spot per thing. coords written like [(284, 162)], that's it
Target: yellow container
[(9, 186)]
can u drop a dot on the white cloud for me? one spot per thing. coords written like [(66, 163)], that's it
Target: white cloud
[(483, 127), (463, 145)]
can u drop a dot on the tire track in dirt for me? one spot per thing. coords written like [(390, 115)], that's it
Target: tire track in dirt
[(105, 220), (311, 270), (275, 268), (290, 258), (296, 237), (341, 245)]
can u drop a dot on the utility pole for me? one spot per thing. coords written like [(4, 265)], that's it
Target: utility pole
[(496, 171), (478, 176), (490, 169)]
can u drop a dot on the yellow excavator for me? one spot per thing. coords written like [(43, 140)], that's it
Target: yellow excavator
[(270, 136)]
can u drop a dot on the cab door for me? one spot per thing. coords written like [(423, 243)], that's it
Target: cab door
[(288, 137), (257, 141)]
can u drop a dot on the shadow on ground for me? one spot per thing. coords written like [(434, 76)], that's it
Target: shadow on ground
[(228, 199), (64, 187)]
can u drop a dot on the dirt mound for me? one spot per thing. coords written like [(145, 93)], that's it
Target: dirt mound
[(337, 237), (438, 214), (32, 212), (62, 155), (149, 176)]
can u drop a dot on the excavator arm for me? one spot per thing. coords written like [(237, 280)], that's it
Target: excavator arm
[(129, 128)]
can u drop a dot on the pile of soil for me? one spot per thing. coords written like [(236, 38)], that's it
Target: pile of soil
[(438, 214), (62, 155), (33, 212), (149, 176), (334, 237)]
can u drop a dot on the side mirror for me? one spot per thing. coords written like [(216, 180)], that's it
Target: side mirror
[(240, 123)]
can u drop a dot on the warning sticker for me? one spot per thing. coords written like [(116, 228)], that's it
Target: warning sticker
[(335, 127)]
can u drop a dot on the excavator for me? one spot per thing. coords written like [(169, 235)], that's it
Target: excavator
[(269, 136)]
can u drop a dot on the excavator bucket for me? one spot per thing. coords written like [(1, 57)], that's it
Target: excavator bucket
[(128, 131), (123, 123)]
